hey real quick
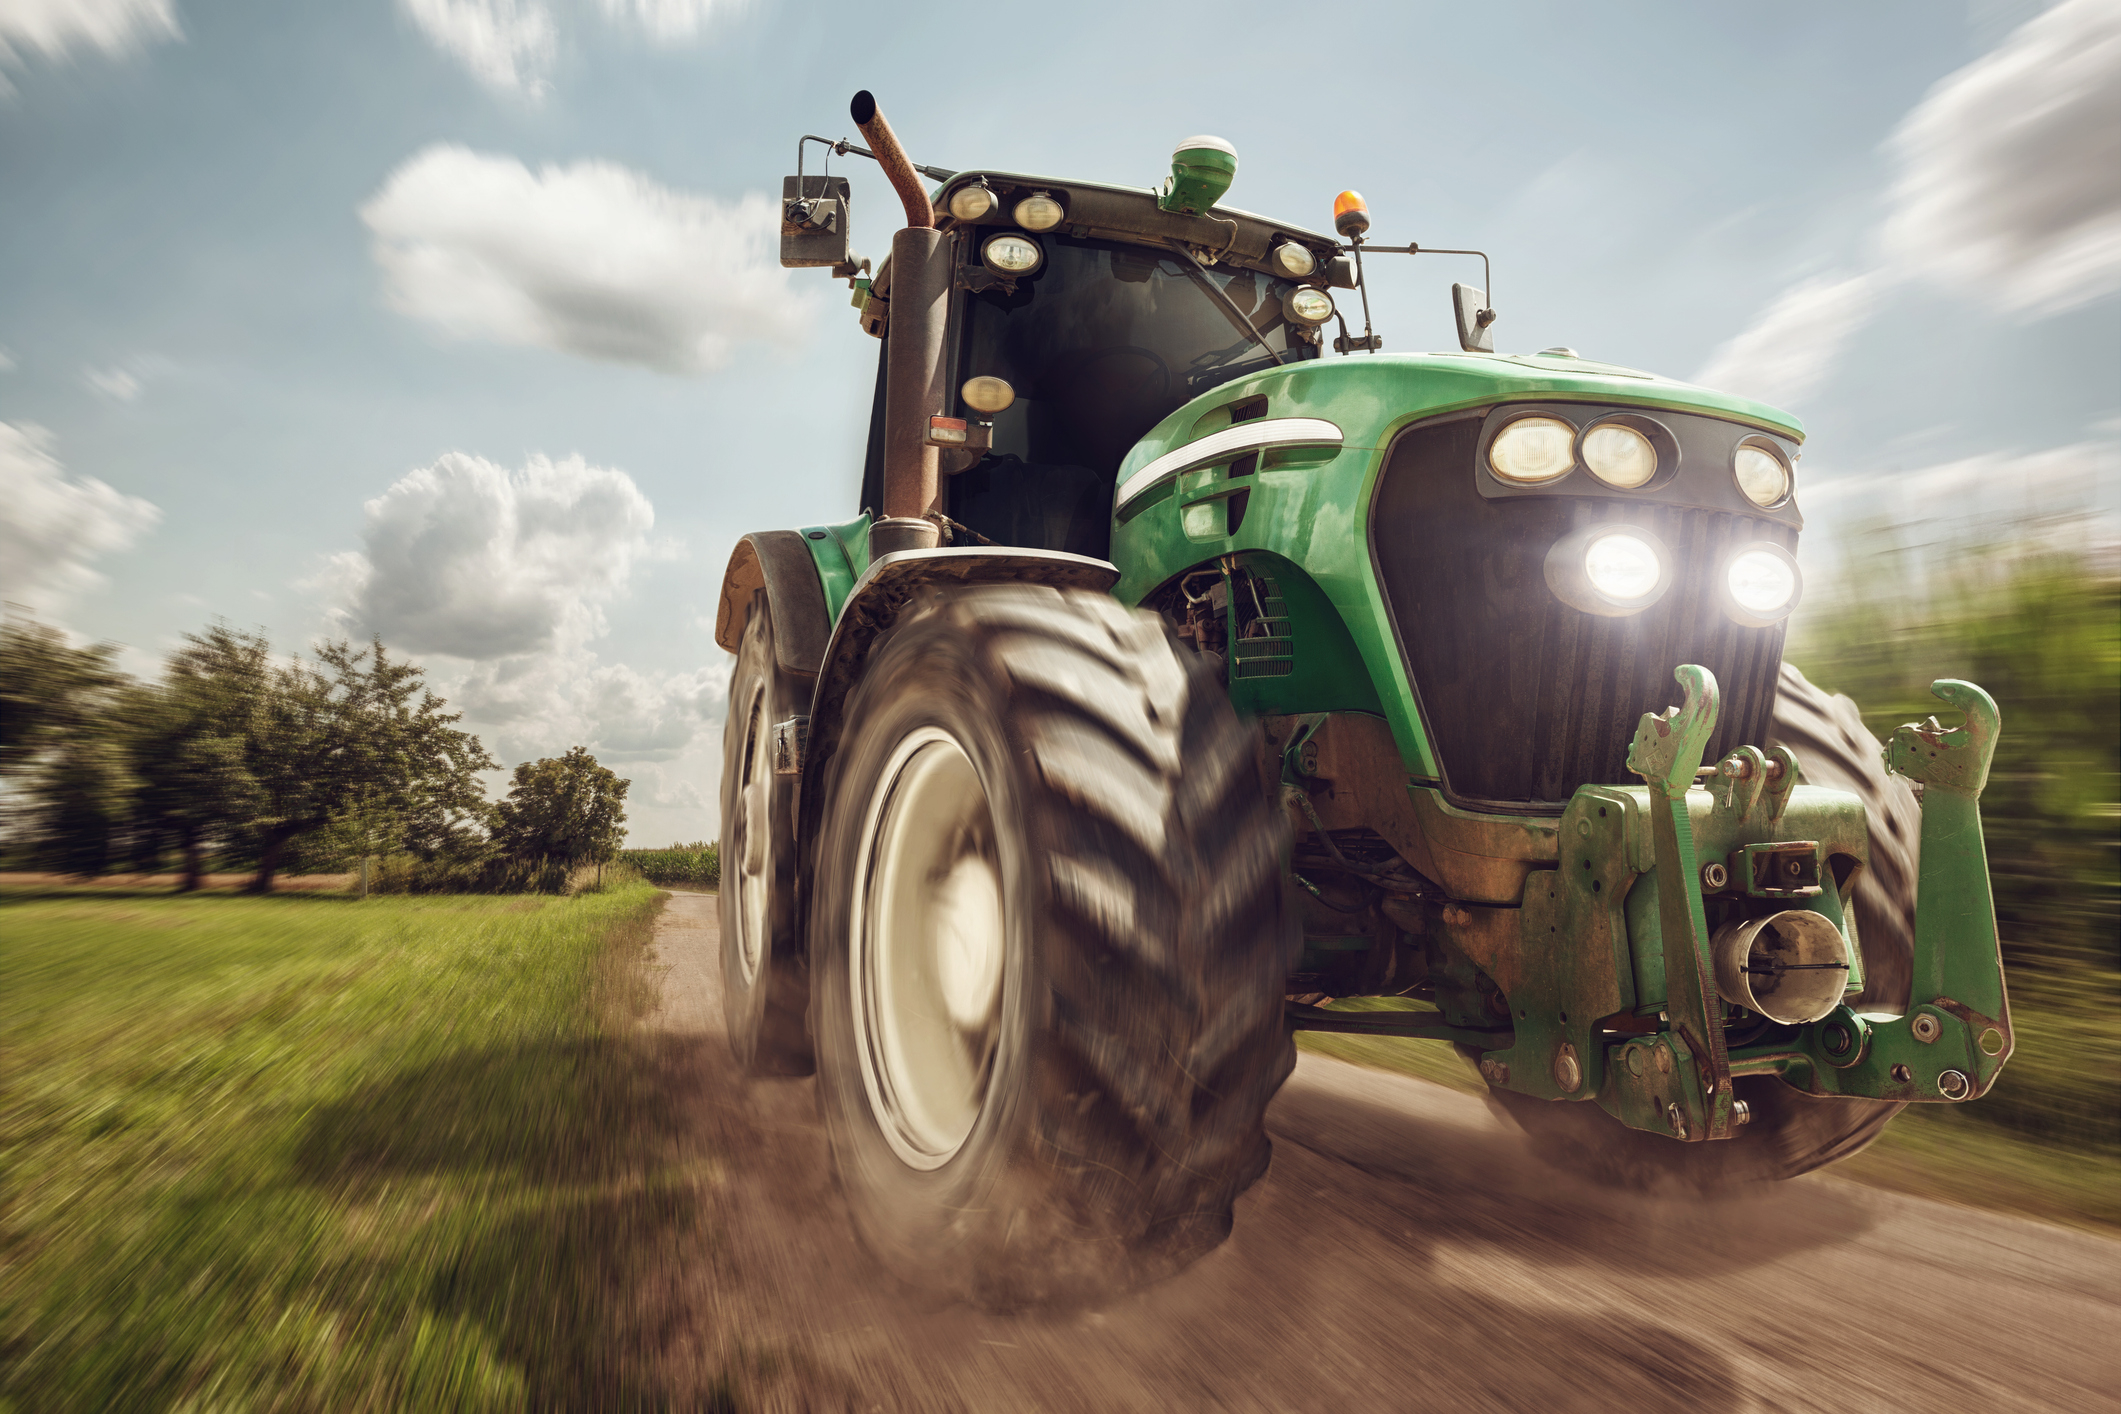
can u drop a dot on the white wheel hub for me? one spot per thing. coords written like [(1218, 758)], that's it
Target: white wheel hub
[(928, 939)]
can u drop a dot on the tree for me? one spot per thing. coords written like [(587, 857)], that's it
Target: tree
[(60, 740), (190, 747), (565, 807), (358, 735), (48, 689)]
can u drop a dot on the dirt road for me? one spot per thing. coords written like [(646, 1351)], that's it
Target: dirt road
[(1403, 1253)]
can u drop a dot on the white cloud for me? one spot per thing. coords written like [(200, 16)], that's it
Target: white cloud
[(506, 576), (52, 523), (7, 361), (590, 259), (476, 561), (2010, 168), (540, 704), (667, 21), (112, 383), (58, 28), (508, 45), (1791, 347)]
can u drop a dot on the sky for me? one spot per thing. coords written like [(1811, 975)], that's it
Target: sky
[(460, 323)]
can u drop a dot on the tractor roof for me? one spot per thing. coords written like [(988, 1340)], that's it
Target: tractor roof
[(1098, 209)]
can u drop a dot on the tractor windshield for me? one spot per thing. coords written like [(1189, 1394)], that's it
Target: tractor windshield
[(1101, 342)]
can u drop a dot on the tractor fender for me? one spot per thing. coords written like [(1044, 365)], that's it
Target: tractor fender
[(778, 562), (893, 585)]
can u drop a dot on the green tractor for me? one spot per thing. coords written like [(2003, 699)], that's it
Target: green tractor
[(1182, 676)]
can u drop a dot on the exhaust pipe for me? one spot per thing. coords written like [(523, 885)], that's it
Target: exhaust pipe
[(913, 372), (1791, 967)]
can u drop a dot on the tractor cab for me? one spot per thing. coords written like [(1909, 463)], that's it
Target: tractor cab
[(1081, 316)]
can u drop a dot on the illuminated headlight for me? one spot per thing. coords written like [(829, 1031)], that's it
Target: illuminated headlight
[(1611, 570), (1038, 212), (1761, 584), (1305, 305), (1762, 474), (986, 393), (1011, 254), (971, 203), (1295, 259), (1619, 455), (1533, 449)]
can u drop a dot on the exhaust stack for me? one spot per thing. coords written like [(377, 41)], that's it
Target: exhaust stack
[(920, 294)]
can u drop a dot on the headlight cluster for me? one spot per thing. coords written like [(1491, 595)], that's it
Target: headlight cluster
[(1040, 211), (1616, 569), (1626, 452), (1623, 452)]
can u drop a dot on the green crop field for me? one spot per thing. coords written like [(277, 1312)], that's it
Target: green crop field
[(682, 866), (309, 1152)]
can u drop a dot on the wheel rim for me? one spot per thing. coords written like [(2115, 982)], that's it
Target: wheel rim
[(753, 829), (927, 949)]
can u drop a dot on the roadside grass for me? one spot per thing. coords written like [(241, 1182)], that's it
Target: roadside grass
[(1982, 1154), (320, 1153)]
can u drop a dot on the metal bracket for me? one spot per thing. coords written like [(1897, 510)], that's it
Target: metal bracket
[(1784, 870), (789, 739), (1667, 754)]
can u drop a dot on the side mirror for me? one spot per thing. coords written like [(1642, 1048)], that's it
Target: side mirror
[(815, 224), (1475, 334)]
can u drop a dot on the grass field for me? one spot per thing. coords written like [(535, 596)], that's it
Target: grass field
[(317, 1153), (1960, 1154)]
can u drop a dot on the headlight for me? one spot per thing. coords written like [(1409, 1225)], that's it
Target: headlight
[(1011, 254), (1761, 584), (1762, 474), (1623, 567), (1619, 455), (1296, 259), (1038, 212), (1533, 449), (986, 393), (1612, 570), (1305, 305), (971, 203)]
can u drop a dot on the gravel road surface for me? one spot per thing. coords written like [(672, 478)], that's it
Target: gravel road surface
[(1403, 1253)]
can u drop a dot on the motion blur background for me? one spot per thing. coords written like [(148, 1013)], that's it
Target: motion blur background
[(457, 324)]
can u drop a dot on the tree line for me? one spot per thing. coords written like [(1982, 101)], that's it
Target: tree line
[(241, 757)]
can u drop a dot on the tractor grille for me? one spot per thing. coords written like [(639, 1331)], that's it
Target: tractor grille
[(1525, 697)]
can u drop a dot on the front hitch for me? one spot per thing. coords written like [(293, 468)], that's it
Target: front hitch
[(1956, 1033)]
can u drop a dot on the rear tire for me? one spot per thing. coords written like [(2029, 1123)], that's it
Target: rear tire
[(765, 983), (1048, 950), (1790, 1132)]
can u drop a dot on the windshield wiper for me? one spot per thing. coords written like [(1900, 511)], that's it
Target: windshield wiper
[(1229, 306)]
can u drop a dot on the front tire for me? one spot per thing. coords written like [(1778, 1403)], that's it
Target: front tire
[(1048, 950), (1790, 1132), (765, 983)]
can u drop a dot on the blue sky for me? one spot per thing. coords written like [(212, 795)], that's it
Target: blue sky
[(459, 320)]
